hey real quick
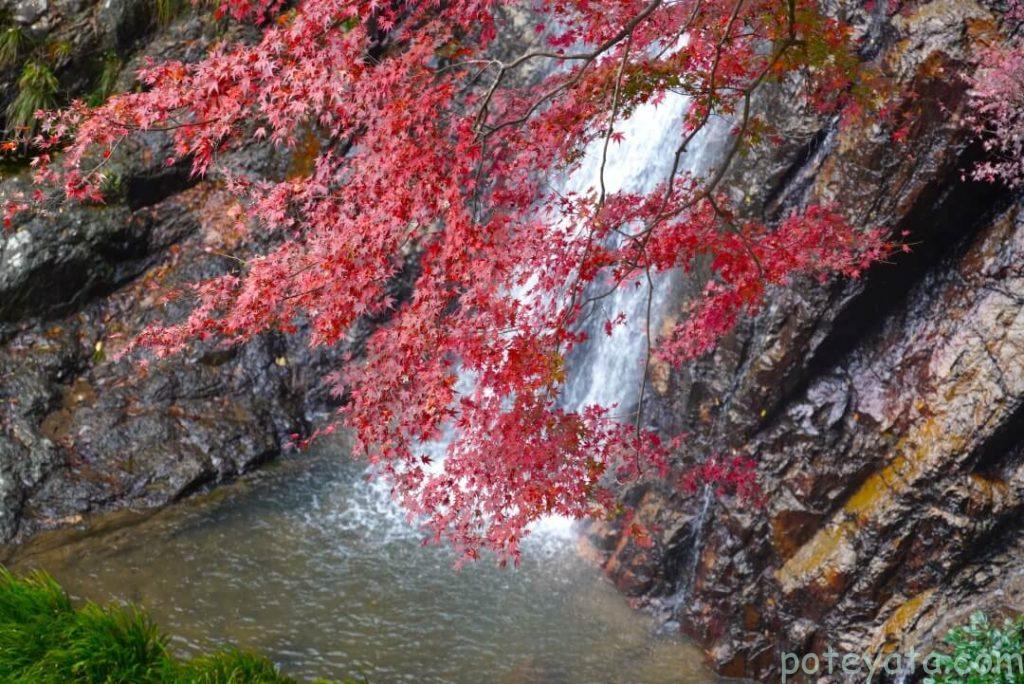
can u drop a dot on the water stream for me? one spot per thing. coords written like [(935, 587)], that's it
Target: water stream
[(685, 588), (607, 369)]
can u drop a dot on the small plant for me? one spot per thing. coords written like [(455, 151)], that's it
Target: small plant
[(58, 51), (13, 43), (108, 75), (37, 89), (982, 653), (106, 85), (167, 10)]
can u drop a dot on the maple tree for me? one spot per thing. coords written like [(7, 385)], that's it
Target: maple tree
[(439, 152)]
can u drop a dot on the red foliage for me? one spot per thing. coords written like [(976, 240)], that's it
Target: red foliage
[(734, 476), (997, 105), (441, 152)]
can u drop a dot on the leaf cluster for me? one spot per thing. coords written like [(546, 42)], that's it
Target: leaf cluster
[(982, 653)]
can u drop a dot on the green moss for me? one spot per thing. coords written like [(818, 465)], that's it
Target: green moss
[(44, 639)]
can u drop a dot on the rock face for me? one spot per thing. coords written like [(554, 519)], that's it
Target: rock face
[(81, 432), (887, 414)]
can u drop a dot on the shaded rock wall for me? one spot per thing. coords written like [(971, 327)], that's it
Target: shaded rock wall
[(79, 431), (886, 414)]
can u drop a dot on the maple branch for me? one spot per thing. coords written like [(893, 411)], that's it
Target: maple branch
[(727, 220), (504, 272), (586, 57), (574, 289), (747, 94), (611, 122), (684, 145), (647, 363)]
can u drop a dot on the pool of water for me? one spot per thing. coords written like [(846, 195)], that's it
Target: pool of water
[(312, 565)]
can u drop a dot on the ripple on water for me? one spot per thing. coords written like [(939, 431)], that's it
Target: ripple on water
[(316, 567)]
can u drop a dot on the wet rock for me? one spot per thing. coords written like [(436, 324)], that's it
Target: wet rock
[(886, 414), (82, 431), (88, 432), (49, 265), (25, 459), (28, 11)]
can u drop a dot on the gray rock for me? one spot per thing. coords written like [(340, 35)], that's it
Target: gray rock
[(27, 12)]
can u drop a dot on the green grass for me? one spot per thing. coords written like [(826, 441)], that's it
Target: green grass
[(168, 10), (109, 73), (109, 70), (37, 89), (44, 639), (58, 52), (13, 43)]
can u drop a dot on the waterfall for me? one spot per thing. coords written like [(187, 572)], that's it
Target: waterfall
[(607, 369), (905, 673), (686, 582)]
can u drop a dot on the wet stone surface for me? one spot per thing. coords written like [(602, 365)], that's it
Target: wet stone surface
[(886, 414)]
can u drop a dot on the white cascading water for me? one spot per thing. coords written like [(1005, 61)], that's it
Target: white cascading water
[(686, 582), (607, 369)]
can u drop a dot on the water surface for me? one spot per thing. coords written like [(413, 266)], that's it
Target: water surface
[(313, 566)]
